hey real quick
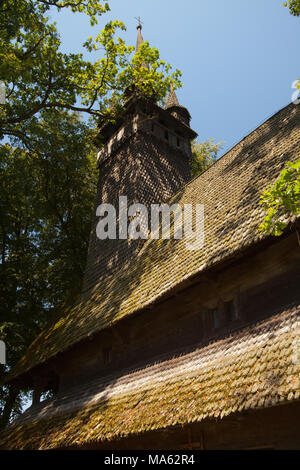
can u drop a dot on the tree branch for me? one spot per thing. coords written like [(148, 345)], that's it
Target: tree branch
[(65, 5), (37, 108), (29, 51)]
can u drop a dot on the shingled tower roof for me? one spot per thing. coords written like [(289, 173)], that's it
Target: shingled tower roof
[(172, 99), (140, 40), (178, 111)]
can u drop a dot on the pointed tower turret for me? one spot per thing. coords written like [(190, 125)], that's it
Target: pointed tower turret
[(140, 40), (178, 111), (172, 99)]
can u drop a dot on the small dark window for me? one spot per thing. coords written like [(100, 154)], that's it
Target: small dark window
[(217, 320), (106, 355), (152, 127), (166, 135), (231, 313), (225, 314), (178, 142)]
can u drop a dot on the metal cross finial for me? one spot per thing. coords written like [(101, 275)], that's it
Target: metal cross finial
[(139, 22)]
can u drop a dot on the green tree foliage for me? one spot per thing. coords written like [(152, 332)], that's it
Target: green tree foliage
[(294, 6), (204, 154), (37, 75), (47, 197), (281, 200)]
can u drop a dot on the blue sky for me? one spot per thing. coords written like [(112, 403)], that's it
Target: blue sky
[(239, 58)]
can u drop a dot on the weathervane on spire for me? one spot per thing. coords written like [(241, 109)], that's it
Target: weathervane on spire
[(140, 39), (139, 26)]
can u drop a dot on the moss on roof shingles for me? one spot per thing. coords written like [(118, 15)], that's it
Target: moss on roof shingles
[(254, 368), (230, 191)]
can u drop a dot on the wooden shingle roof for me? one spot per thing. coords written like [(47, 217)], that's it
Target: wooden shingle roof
[(172, 99), (254, 368), (230, 191)]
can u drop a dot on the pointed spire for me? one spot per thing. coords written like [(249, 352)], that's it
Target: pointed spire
[(178, 111), (140, 39), (172, 99)]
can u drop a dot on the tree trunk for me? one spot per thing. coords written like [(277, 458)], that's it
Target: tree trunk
[(12, 396)]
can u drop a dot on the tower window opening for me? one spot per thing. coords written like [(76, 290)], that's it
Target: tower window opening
[(178, 142), (217, 321), (106, 355), (230, 311), (166, 135), (225, 314)]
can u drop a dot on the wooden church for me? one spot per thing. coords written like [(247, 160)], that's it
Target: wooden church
[(165, 347)]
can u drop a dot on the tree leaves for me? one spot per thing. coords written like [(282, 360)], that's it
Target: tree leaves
[(47, 196), (294, 6), (204, 155), (281, 200), (39, 76)]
